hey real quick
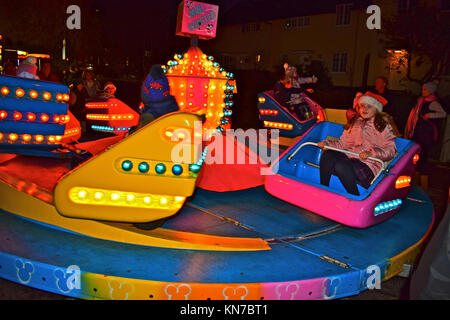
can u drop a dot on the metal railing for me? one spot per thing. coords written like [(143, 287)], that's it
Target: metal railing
[(383, 164)]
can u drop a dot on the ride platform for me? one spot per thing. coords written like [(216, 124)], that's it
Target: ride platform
[(233, 245)]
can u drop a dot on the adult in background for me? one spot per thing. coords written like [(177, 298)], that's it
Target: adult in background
[(47, 73), (423, 125), (381, 88), (28, 69), (91, 84)]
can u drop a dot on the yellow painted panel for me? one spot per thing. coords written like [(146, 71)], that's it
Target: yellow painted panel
[(115, 171), (24, 205)]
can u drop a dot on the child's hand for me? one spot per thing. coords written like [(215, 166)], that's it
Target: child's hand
[(321, 144), (365, 154)]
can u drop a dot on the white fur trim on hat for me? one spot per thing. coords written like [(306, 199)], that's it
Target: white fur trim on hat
[(109, 85), (371, 101)]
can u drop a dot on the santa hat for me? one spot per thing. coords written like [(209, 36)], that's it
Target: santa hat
[(375, 100), (109, 84)]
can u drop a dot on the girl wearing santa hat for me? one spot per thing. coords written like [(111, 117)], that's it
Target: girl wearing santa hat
[(369, 135)]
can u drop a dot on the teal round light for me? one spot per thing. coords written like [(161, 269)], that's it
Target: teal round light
[(127, 165), (143, 167), (160, 168), (177, 169), (194, 168)]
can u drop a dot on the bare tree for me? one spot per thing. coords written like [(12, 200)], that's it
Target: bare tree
[(425, 34)]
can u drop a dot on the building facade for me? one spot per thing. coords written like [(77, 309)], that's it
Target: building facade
[(337, 35)]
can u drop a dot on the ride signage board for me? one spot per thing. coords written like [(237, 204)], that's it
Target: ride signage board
[(197, 19)]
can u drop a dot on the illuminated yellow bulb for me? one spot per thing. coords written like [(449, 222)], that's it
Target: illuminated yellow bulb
[(98, 195), (130, 197), (169, 134), (115, 196), (39, 138), (13, 137), (181, 85), (26, 137), (163, 200), (147, 200), (82, 194), (179, 199)]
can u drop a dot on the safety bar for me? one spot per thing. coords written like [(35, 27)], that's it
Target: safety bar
[(383, 165)]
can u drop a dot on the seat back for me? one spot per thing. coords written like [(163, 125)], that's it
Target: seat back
[(275, 116)]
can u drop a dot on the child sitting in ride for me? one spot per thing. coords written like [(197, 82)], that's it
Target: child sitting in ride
[(156, 98), (287, 92), (367, 134)]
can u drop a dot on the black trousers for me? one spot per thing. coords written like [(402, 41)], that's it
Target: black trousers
[(349, 171)]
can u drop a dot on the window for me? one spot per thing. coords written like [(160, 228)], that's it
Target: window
[(343, 12), (298, 22), (250, 27), (339, 63)]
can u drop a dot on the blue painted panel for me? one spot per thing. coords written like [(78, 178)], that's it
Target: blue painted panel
[(32, 128), (262, 212), (190, 219), (362, 247), (35, 242), (32, 105)]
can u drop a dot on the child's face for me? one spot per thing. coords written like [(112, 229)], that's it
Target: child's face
[(366, 111), (110, 90)]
